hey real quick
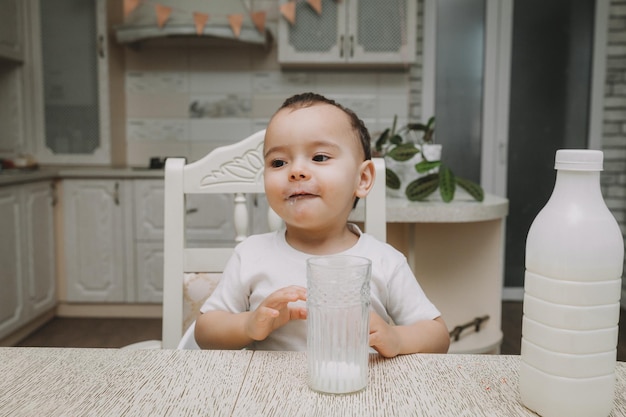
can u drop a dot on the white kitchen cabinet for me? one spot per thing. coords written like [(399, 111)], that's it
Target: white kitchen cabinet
[(11, 109), (97, 226), (11, 264), (209, 220), (363, 32), (27, 258), (11, 24), (70, 81), (38, 200)]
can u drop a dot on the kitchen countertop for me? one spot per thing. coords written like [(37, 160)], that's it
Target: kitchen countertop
[(462, 209), (20, 176), (433, 210)]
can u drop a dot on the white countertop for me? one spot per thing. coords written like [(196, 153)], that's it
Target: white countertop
[(15, 176), (461, 210)]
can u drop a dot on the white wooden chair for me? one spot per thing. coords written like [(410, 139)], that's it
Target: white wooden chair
[(191, 274)]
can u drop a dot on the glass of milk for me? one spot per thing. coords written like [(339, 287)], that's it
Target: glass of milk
[(338, 300)]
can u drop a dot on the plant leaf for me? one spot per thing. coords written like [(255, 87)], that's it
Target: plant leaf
[(396, 140), (382, 139), (392, 180), (446, 183), (425, 166), (472, 188), (403, 152), (422, 187), (416, 126)]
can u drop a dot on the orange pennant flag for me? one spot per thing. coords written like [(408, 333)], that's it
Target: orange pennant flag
[(163, 13), (200, 20), (258, 18), (316, 5), (288, 10), (235, 21), (129, 6)]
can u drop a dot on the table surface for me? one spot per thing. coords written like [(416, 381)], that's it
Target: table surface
[(70, 382)]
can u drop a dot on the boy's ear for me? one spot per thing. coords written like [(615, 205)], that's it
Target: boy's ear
[(366, 178)]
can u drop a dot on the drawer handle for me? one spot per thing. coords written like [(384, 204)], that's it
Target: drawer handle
[(351, 46), (341, 46), (101, 46), (116, 194), (191, 211)]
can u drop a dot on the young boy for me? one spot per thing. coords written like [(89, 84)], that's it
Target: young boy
[(317, 165)]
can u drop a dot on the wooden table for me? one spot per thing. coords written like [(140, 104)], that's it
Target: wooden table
[(72, 382)]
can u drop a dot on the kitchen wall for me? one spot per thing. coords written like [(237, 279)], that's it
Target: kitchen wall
[(614, 131), (186, 100)]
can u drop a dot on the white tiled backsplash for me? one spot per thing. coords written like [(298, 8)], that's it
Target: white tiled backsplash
[(178, 111)]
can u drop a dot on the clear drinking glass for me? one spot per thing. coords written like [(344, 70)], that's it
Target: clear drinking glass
[(338, 300)]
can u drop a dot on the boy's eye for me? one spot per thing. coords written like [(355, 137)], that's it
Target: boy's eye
[(277, 163), (321, 158)]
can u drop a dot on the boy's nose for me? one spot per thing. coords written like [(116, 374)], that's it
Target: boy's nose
[(298, 172)]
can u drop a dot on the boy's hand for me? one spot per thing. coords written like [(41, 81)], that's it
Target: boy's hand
[(383, 337), (275, 312), (427, 336)]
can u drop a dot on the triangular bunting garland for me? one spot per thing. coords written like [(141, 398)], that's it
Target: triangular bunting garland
[(316, 5), (235, 21), (288, 10), (163, 13), (130, 6), (200, 20), (258, 18)]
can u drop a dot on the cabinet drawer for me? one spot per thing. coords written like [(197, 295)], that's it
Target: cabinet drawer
[(209, 217)]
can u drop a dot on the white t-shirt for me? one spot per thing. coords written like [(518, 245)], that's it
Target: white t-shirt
[(264, 263)]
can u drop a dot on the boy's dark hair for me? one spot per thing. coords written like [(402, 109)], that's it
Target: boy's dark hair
[(309, 99)]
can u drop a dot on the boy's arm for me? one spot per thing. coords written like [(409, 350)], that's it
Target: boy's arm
[(222, 330), (226, 330), (425, 336)]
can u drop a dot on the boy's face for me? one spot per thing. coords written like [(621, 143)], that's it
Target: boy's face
[(314, 167)]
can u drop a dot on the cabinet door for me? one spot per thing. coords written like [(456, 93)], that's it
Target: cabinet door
[(209, 220), (11, 30), (40, 276), (209, 217), (149, 275), (11, 293), (382, 31), (73, 71), (314, 38), (372, 32), (148, 203), (95, 240)]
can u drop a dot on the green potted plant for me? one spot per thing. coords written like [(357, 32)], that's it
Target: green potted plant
[(414, 169)]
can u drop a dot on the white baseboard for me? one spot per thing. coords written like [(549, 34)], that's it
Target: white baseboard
[(513, 294), (110, 310), (21, 333)]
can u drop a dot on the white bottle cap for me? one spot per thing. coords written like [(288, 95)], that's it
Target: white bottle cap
[(578, 160)]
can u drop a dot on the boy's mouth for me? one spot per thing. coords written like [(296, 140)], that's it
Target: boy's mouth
[(300, 195)]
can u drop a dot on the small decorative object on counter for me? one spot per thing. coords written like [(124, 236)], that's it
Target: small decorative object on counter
[(338, 300), (574, 262), (414, 169)]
